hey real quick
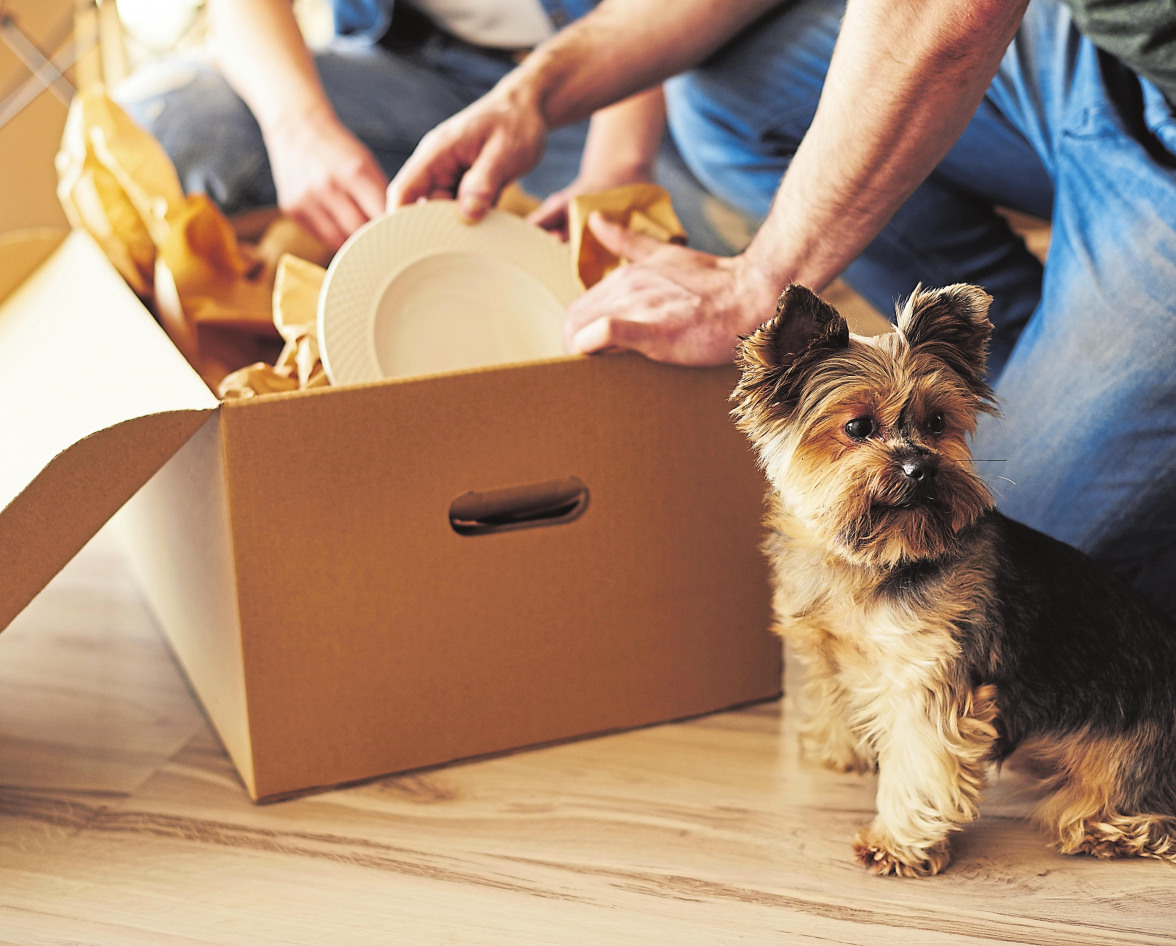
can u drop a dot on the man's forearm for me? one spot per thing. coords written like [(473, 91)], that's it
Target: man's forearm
[(624, 47), (624, 139), (263, 55), (905, 79)]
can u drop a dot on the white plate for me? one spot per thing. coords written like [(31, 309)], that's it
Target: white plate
[(420, 292)]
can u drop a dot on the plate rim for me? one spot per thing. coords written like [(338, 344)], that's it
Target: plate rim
[(443, 217)]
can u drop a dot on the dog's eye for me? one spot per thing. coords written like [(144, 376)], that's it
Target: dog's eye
[(860, 428), (935, 423)]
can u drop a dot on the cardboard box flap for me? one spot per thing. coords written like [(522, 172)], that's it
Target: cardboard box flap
[(94, 398)]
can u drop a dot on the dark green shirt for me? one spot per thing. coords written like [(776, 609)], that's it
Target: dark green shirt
[(1139, 33)]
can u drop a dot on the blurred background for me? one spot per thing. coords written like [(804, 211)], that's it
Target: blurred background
[(49, 48)]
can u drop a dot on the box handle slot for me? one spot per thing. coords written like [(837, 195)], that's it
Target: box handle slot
[(550, 503)]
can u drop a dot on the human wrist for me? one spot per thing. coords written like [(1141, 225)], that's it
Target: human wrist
[(614, 170), (297, 118), (759, 282), (547, 83), (523, 91)]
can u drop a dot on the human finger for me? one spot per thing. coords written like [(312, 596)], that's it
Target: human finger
[(610, 332), (344, 210), (552, 215), (620, 240), (481, 185), (318, 223), (432, 168), (367, 188)]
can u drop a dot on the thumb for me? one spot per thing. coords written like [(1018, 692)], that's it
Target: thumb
[(621, 241)]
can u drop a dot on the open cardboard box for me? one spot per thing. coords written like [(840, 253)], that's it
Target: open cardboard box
[(364, 580)]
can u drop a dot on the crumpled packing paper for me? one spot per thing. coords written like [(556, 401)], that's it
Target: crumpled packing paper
[(227, 304), (642, 208), (211, 293), (295, 310), (645, 208)]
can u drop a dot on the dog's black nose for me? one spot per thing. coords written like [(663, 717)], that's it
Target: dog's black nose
[(919, 470)]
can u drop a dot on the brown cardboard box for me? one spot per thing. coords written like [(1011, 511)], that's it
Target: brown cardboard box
[(370, 579)]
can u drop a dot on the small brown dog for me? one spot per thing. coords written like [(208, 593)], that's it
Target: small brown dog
[(938, 635)]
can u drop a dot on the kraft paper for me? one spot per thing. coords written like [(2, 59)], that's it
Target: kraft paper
[(211, 292), (225, 303), (642, 208), (295, 313)]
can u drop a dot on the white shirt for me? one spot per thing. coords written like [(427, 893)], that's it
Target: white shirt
[(503, 24)]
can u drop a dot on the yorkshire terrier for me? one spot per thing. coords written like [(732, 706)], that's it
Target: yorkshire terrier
[(937, 635)]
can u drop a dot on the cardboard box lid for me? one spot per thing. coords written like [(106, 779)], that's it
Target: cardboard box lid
[(94, 398)]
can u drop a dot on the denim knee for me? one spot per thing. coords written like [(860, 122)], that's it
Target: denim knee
[(738, 118), (206, 130)]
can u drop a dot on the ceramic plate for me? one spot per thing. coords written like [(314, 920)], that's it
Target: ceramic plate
[(420, 292)]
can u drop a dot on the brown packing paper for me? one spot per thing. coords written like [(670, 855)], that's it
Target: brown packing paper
[(216, 276), (211, 293), (295, 311), (642, 208), (515, 200), (226, 304), (116, 183)]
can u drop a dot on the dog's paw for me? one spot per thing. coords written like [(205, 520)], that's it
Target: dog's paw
[(879, 856)]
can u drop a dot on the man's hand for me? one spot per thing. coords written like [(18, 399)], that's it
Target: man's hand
[(325, 178), (474, 154), (670, 303), (600, 59), (621, 148), (553, 213)]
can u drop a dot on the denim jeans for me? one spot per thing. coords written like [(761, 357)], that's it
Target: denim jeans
[(1084, 352), (388, 99)]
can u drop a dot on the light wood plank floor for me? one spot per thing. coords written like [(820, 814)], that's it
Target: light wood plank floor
[(121, 822)]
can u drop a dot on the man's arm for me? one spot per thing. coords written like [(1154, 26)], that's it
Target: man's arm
[(905, 79), (622, 147), (325, 178), (621, 48)]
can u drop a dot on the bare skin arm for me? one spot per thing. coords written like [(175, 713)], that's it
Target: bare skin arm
[(621, 48), (325, 178), (906, 77), (621, 148)]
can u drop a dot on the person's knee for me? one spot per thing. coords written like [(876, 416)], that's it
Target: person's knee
[(204, 127), (738, 118)]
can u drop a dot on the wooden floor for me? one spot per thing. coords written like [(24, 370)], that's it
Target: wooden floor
[(121, 822)]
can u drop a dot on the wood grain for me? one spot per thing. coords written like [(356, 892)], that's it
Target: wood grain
[(122, 823)]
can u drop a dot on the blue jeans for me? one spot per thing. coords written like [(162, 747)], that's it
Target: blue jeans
[(1084, 352), (388, 99)]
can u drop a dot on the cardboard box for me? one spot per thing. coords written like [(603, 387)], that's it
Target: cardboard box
[(364, 580)]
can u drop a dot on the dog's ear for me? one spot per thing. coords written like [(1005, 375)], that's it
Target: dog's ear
[(773, 357), (952, 325), (802, 322)]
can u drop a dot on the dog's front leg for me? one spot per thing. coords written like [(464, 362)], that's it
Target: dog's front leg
[(825, 733), (932, 763)]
